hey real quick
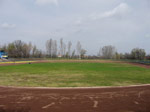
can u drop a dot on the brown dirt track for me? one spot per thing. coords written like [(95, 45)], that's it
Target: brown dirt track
[(115, 99)]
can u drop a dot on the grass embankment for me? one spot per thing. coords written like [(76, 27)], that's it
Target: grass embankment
[(73, 75)]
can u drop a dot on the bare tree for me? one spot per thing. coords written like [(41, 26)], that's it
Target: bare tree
[(83, 52), (61, 46), (64, 49), (49, 47), (11, 50), (18, 48), (34, 49), (108, 52), (73, 54), (38, 53), (117, 56), (69, 48), (26, 50), (79, 48), (100, 53), (54, 48), (137, 53)]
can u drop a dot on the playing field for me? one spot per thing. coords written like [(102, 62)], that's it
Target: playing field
[(73, 74)]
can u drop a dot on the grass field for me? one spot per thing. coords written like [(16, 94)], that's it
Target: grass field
[(73, 75)]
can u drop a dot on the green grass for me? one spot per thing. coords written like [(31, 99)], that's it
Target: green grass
[(73, 75)]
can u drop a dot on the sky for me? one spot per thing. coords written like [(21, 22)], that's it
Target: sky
[(124, 24)]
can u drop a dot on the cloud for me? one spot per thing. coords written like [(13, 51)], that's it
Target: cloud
[(45, 2), (147, 35), (79, 21), (8, 26), (120, 10), (148, 2)]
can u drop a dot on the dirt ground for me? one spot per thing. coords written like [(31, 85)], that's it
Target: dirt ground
[(115, 99)]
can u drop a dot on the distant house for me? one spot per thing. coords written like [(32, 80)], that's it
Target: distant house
[(59, 56)]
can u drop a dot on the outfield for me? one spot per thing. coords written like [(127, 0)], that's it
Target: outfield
[(79, 74)]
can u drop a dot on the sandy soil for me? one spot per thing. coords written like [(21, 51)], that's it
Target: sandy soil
[(116, 99)]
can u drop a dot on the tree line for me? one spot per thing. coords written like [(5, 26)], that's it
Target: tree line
[(20, 49), (60, 49), (110, 52), (54, 49)]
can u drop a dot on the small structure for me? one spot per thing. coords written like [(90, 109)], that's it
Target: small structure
[(59, 56), (3, 55)]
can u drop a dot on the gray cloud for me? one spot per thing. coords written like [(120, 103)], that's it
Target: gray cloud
[(148, 2), (8, 26), (93, 22), (45, 2), (120, 10), (147, 35)]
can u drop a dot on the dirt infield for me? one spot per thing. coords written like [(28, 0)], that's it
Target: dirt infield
[(116, 99)]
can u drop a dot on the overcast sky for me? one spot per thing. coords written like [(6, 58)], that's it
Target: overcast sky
[(95, 23)]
